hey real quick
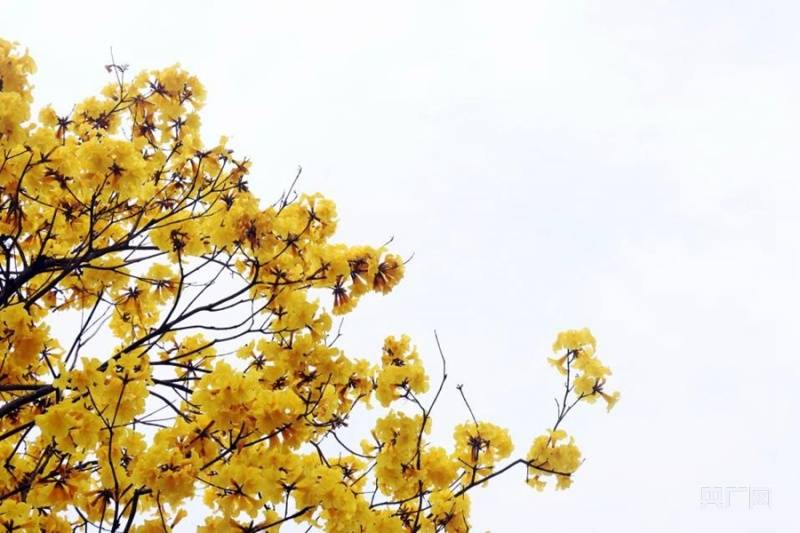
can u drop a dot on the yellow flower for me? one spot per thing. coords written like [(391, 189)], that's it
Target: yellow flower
[(481, 446), (390, 272), (439, 468), (401, 371), (548, 456), (611, 399), (18, 516), (559, 364), (575, 339)]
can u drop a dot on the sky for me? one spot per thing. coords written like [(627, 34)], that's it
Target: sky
[(625, 166)]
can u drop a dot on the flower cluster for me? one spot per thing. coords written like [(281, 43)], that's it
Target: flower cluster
[(401, 371), (588, 373)]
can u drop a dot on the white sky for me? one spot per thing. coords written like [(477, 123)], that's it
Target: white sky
[(627, 166)]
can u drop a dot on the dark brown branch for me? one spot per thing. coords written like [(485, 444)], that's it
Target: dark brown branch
[(16, 403)]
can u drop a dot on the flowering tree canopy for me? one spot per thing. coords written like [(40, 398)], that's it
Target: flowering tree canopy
[(166, 340)]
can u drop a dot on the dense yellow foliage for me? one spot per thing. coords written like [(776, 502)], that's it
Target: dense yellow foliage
[(222, 382)]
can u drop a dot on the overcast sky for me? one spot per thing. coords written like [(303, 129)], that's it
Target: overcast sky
[(626, 166)]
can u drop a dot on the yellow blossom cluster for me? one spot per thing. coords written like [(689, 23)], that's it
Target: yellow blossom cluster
[(401, 371), (548, 457), (481, 445), (201, 358), (581, 364)]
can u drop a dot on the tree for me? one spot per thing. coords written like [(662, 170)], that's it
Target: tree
[(201, 356)]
